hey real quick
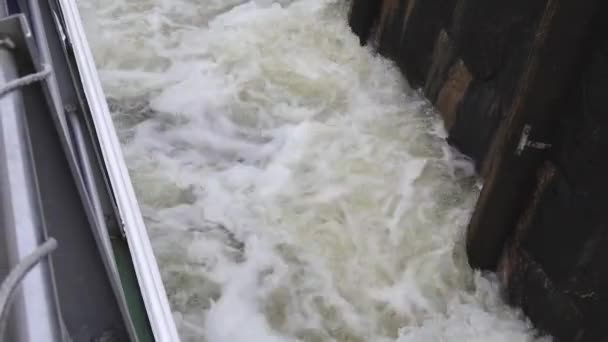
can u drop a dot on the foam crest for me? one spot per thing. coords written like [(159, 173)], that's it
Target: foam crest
[(294, 186)]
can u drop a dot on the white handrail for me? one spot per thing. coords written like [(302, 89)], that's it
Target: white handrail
[(146, 268)]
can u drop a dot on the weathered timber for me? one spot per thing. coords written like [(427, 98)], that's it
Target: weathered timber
[(485, 42), (499, 72), (562, 233), (490, 67), (406, 34), (493, 38), (362, 17), (553, 64)]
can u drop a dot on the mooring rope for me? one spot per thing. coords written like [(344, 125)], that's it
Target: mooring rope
[(11, 282), (24, 81)]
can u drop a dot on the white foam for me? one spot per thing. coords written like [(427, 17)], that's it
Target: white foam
[(294, 187)]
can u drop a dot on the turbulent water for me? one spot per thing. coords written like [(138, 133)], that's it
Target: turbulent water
[(295, 188)]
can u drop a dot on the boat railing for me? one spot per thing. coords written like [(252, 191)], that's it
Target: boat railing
[(63, 176)]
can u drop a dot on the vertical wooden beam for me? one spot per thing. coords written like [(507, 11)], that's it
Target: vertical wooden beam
[(443, 56), (452, 92), (363, 16), (553, 62), (510, 264)]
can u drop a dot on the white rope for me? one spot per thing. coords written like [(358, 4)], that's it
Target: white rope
[(8, 43), (24, 81), (13, 279)]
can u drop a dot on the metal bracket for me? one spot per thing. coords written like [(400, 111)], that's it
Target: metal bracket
[(60, 29), (525, 141)]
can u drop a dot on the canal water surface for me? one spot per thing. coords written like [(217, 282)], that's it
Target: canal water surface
[(294, 186)]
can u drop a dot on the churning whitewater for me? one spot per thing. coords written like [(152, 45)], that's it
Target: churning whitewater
[(295, 188)]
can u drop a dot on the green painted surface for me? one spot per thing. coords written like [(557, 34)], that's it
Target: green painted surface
[(130, 286)]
